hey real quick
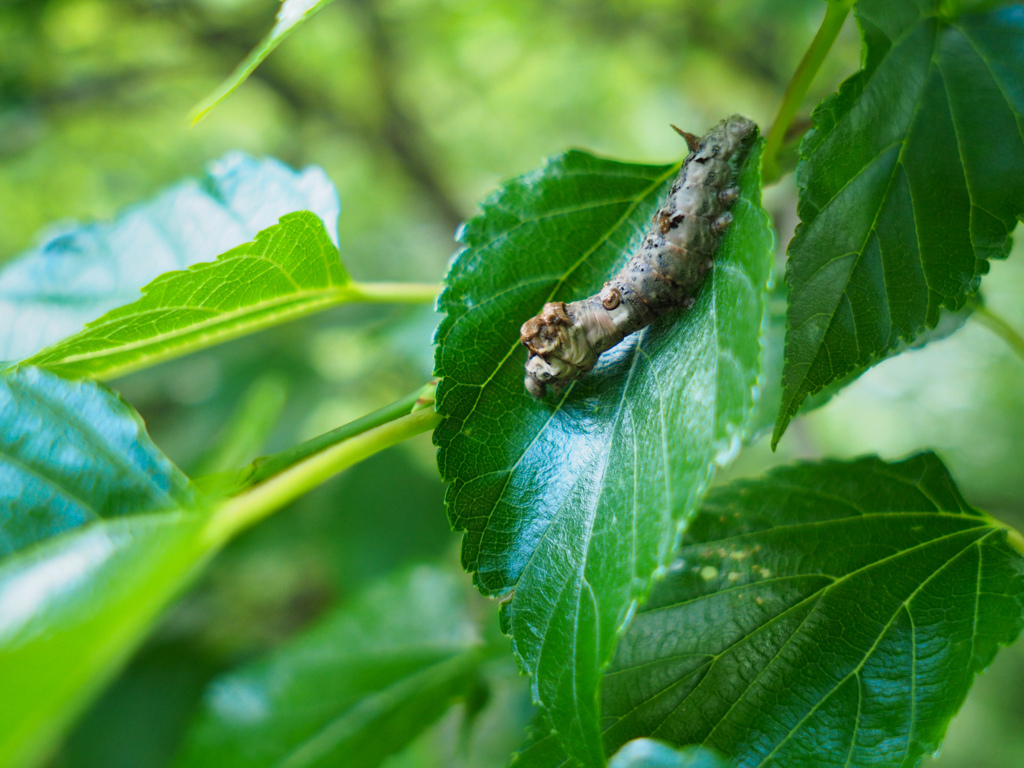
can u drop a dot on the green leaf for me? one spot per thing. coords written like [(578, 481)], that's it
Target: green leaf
[(291, 15), (77, 470), (73, 606), (289, 270), (960, 7), (825, 615), (571, 505), (912, 178), (358, 686), (83, 271), (73, 453), (71, 611), (773, 344), (647, 753)]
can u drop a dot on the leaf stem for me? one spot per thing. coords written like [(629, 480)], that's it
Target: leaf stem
[(393, 293), (258, 502), (796, 91), (267, 466), (998, 326)]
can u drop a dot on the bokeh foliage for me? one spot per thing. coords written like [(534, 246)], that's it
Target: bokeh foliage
[(416, 109)]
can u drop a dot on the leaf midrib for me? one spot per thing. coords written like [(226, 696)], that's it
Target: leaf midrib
[(834, 579), (837, 520), (292, 305), (310, 750), (813, 596), (904, 606)]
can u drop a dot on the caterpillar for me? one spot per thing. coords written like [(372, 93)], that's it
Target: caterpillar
[(665, 272)]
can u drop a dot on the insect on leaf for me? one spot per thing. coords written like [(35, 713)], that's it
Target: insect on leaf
[(571, 504)]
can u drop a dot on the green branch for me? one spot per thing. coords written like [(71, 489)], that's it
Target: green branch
[(984, 316), (798, 86), (288, 484), (265, 467)]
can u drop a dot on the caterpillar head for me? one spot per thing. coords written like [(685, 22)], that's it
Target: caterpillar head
[(559, 349)]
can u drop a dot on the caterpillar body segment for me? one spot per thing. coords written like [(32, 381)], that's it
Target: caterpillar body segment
[(665, 272)]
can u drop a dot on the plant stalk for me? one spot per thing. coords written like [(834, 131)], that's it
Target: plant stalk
[(253, 505), (998, 326), (393, 293), (796, 91), (267, 466), (1015, 538)]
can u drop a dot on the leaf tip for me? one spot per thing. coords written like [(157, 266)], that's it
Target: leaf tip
[(205, 106), (781, 424), (198, 112)]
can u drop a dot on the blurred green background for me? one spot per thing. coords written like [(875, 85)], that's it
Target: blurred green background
[(417, 109)]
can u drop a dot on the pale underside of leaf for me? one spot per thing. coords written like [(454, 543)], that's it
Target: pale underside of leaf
[(84, 271), (647, 753), (290, 270), (73, 453)]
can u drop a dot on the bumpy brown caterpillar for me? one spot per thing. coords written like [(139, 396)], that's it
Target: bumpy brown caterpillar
[(666, 271)]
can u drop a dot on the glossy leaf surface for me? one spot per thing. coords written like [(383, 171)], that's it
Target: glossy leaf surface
[(73, 606), (825, 615), (912, 178), (80, 481), (575, 501), (83, 271), (357, 687), (71, 611), (648, 753), (291, 269), (73, 453)]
